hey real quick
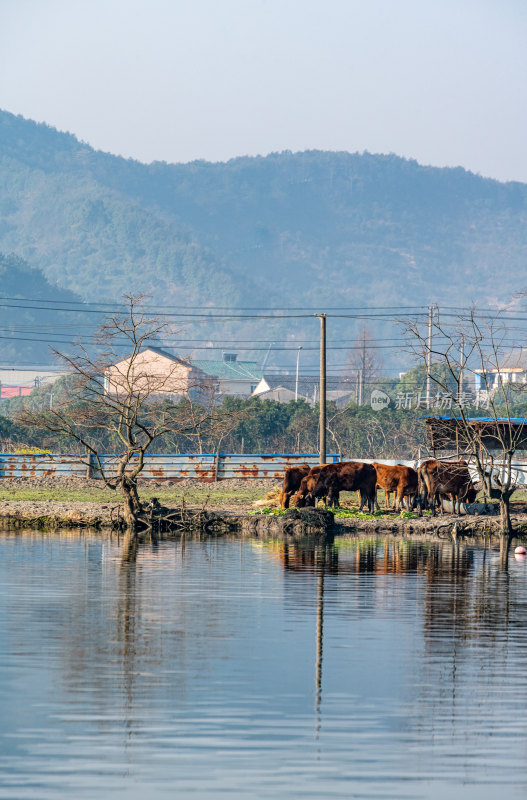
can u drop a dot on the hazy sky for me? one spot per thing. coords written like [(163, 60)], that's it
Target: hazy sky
[(442, 81)]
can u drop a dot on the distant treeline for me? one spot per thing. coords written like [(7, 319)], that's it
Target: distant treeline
[(253, 426), (265, 426)]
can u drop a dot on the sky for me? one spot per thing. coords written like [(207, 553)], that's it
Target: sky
[(176, 80)]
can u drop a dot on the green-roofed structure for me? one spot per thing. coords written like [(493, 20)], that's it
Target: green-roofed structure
[(238, 378)]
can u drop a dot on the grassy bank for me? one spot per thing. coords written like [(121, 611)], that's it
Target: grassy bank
[(196, 494)]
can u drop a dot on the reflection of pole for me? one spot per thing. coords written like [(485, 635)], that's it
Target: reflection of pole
[(322, 387), (320, 633), (126, 606)]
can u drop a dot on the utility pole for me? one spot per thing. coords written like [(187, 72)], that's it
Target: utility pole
[(297, 362), (429, 356), (322, 387), (361, 379), (363, 367), (461, 363)]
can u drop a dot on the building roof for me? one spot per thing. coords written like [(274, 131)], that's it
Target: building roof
[(230, 370), (306, 383), (14, 391), (160, 352), (308, 387), (282, 395)]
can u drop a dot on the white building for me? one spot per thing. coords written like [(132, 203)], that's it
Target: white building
[(513, 369)]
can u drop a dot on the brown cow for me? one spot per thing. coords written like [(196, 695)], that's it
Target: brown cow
[(347, 476), (450, 478), (292, 479), (304, 496), (398, 479)]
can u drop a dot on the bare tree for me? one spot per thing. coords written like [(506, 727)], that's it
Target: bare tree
[(475, 344), (363, 365), (129, 397)]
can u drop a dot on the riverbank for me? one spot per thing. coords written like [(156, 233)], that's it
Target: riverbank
[(54, 515), (56, 503)]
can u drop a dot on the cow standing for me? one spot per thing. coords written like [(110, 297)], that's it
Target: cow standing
[(304, 496), (401, 480), (437, 478), (347, 476), (292, 479)]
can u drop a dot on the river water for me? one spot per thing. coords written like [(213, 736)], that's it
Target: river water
[(239, 669)]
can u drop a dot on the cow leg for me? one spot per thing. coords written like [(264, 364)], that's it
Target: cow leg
[(432, 499), (286, 496), (362, 499)]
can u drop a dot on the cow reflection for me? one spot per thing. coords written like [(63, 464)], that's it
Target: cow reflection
[(309, 556)]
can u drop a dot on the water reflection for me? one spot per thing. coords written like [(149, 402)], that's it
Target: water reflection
[(378, 668)]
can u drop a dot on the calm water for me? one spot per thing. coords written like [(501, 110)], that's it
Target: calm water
[(234, 669)]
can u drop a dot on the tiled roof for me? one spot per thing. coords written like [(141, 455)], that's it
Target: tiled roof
[(230, 370), (165, 354), (281, 394)]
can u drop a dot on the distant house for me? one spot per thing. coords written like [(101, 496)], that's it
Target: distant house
[(281, 394), (20, 382), (156, 372), (7, 392), (232, 377), (513, 369), (161, 372), (283, 389)]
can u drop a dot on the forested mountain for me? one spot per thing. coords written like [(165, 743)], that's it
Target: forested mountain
[(312, 228), (27, 329)]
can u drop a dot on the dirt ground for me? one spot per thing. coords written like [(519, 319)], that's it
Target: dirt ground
[(84, 500)]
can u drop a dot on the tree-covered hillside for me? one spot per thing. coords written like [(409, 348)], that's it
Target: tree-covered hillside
[(313, 228), (26, 329)]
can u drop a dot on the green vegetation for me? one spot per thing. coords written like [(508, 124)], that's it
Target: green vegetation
[(27, 332), (345, 513), (259, 426), (195, 495)]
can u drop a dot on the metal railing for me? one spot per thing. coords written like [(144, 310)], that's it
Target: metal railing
[(160, 467)]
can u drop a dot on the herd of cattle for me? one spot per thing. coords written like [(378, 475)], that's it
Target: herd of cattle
[(424, 488)]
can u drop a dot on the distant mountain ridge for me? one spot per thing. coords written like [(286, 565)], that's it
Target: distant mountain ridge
[(308, 229)]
